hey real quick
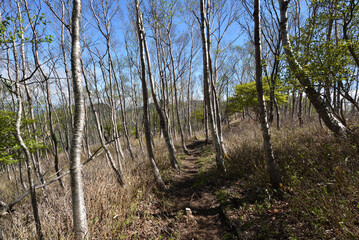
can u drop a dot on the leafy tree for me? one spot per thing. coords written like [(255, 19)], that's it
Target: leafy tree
[(8, 143), (245, 96), (10, 151), (332, 121), (320, 49), (197, 115)]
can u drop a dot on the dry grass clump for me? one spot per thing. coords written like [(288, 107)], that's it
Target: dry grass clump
[(320, 175), (113, 211)]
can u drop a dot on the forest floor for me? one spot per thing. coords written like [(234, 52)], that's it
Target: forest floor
[(190, 208), (320, 176), (200, 204)]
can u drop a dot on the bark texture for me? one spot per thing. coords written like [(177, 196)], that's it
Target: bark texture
[(78, 201)]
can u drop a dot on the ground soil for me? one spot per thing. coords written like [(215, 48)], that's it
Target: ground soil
[(200, 204), (191, 210)]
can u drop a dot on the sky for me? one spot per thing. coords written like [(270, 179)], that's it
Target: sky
[(121, 23)]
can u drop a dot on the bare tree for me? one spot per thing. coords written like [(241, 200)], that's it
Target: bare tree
[(141, 36), (268, 151), (105, 20), (78, 201), (118, 172), (122, 99), (48, 96), (163, 125), (19, 106), (208, 94)]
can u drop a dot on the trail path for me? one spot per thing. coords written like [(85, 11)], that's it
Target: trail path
[(206, 220)]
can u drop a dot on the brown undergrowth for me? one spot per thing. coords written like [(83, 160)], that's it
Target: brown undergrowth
[(320, 180), (320, 184), (113, 211)]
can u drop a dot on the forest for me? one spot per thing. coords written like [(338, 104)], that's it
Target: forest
[(173, 119)]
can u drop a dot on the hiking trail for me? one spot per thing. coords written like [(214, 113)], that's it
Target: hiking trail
[(192, 209)]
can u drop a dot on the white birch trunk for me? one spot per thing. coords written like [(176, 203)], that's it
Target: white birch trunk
[(78, 201), (268, 150)]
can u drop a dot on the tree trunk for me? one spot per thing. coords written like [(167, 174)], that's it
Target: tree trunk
[(163, 124), (141, 36), (8, 173), (77, 195), (69, 114), (277, 112), (294, 96), (124, 117), (300, 115), (35, 160), (207, 93), (176, 98), (268, 151), (189, 92), (15, 177), (22, 143), (347, 20), (118, 172), (114, 128)]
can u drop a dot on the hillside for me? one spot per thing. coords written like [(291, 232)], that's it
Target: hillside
[(186, 119), (318, 199)]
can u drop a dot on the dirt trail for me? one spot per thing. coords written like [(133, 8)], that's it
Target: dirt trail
[(206, 220)]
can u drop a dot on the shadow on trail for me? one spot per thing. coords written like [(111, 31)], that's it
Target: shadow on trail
[(201, 204), (191, 201)]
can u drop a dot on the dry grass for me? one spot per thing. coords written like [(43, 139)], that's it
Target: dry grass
[(320, 174), (112, 210)]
